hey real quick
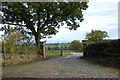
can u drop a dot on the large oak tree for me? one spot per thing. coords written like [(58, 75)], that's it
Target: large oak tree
[(42, 19)]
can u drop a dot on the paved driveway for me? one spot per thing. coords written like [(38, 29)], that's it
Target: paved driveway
[(63, 67)]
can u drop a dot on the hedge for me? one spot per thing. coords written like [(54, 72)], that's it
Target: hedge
[(104, 49)]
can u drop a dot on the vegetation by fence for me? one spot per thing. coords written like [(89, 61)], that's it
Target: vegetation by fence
[(19, 49), (19, 54), (13, 59), (105, 53)]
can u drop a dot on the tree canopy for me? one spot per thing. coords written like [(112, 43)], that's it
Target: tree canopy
[(76, 45), (96, 35), (42, 19)]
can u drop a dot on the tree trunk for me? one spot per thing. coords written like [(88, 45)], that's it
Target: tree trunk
[(37, 39), (3, 47)]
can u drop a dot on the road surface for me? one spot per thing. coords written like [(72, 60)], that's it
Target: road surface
[(62, 67)]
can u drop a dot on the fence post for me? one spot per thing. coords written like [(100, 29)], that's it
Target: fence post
[(61, 51), (85, 44), (42, 49)]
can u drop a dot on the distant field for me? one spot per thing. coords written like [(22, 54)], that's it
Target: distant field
[(55, 53), (55, 49), (59, 46)]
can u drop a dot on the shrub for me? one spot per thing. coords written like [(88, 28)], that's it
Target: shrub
[(103, 49), (76, 45)]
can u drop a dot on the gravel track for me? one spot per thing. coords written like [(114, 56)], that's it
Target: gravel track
[(62, 67)]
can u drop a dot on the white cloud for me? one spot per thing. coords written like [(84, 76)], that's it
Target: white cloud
[(101, 15)]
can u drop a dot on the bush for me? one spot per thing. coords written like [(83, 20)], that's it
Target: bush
[(105, 53), (103, 49), (76, 45)]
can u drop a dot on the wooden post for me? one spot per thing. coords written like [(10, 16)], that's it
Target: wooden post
[(61, 52), (85, 44), (42, 49)]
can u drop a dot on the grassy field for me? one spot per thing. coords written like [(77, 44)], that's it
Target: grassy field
[(58, 46), (51, 53), (55, 49)]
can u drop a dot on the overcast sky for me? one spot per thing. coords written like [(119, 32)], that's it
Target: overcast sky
[(100, 15)]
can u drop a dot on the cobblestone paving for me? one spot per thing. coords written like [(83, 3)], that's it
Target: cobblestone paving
[(63, 67)]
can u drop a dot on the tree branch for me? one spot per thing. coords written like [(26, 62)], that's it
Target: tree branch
[(31, 28), (46, 21), (15, 24), (38, 19)]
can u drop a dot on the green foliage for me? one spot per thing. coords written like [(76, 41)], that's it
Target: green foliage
[(97, 49), (13, 40), (105, 53), (104, 49), (43, 16), (96, 35), (76, 45)]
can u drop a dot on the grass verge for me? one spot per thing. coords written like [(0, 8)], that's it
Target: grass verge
[(13, 59)]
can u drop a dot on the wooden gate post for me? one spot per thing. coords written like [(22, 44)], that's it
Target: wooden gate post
[(61, 52), (85, 44), (42, 49)]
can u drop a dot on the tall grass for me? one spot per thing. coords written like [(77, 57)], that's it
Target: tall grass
[(10, 59)]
